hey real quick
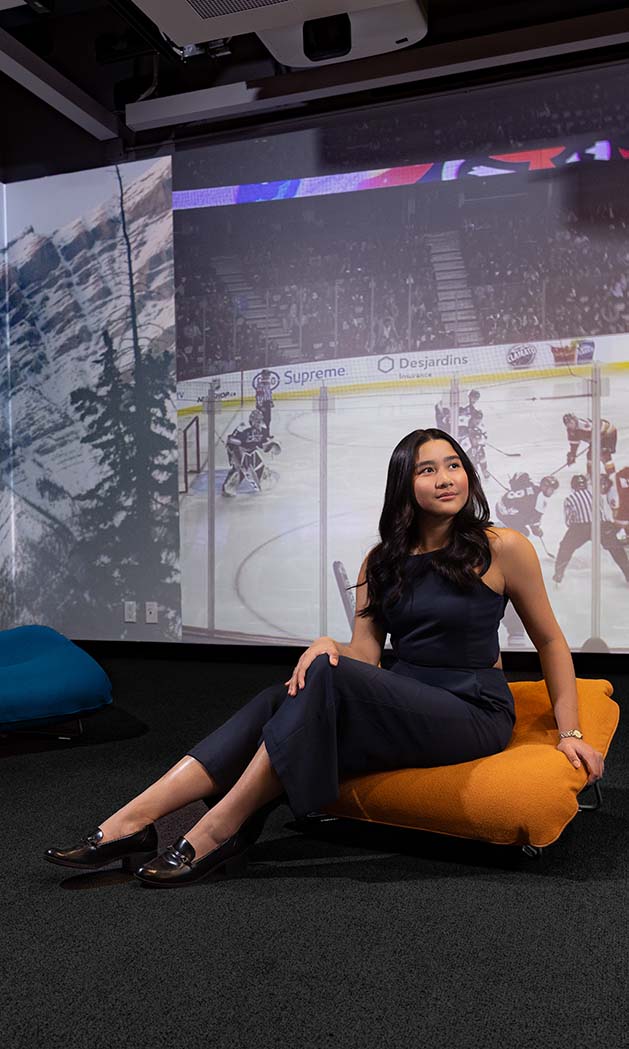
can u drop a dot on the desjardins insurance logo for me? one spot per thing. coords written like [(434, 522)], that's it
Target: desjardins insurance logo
[(413, 366)]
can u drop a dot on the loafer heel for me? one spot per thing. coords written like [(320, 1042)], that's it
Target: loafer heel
[(134, 860), (176, 866)]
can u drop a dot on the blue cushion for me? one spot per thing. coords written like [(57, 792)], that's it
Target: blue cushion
[(45, 676)]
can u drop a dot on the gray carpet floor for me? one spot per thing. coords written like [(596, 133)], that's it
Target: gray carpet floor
[(353, 936)]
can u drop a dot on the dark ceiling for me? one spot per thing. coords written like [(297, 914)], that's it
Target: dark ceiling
[(115, 55)]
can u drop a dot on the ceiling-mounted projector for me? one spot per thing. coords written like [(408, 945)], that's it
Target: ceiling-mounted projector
[(297, 32), (356, 33)]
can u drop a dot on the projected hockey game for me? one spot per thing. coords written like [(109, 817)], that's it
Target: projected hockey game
[(316, 328), (283, 547)]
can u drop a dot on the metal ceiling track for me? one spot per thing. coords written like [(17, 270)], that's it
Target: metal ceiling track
[(253, 99), (250, 99)]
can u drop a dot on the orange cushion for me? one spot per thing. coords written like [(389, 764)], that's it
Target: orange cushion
[(526, 795)]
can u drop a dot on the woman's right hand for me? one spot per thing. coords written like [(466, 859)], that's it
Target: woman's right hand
[(320, 647)]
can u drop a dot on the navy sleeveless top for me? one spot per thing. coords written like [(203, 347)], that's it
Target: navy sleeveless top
[(437, 624)]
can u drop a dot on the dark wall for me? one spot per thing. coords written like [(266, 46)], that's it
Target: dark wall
[(36, 140), (517, 665)]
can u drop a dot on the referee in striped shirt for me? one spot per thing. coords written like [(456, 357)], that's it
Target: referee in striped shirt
[(577, 508)]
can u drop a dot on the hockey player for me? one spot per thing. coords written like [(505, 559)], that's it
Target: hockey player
[(622, 510), (473, 442), (578, 518), (264, 397), (442, 416), (609, 494), (578, 430), (469, 415), (244, 445), (522, 506)]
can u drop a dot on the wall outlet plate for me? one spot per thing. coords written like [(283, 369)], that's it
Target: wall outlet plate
[(130, 611), (150, 611)]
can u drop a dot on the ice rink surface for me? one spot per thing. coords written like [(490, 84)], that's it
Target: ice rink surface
[(268, 544)]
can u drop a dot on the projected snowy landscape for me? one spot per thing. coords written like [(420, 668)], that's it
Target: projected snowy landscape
[(90, 516)]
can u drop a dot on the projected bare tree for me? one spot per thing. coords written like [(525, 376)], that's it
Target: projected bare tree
[(128, 520)]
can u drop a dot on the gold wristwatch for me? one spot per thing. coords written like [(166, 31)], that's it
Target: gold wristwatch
[(574, 733)]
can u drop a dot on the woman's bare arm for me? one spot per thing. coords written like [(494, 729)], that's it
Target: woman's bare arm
[(525, 587), (367, 638)]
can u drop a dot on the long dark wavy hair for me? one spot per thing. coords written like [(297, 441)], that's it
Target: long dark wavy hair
[(468, 546)]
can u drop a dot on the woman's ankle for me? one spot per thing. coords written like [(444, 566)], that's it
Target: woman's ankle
[(121, 826), (212, 830)]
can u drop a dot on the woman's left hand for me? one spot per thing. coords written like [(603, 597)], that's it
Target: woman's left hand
[(579, 752)]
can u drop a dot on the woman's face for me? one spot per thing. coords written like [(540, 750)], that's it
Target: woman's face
[(440, 483)]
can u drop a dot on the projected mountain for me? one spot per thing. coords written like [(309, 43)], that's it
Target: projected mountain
[(70, 297)]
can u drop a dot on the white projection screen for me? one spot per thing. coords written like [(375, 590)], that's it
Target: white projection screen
[(459, 260), (366, 275)]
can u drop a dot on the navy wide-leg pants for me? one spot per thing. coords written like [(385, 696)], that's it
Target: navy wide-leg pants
[(355, 718)]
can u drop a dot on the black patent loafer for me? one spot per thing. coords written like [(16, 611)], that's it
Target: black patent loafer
[(177, 867), (92, 852)]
